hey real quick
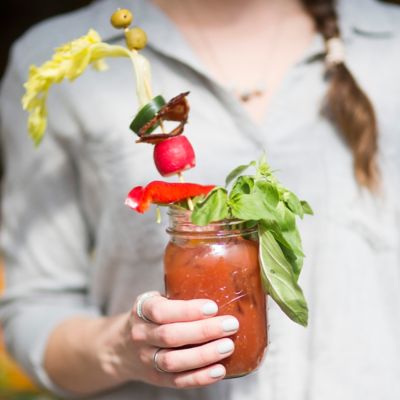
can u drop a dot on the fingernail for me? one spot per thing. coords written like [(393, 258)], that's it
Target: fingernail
[(217, 372), (209, 308), (230, 324), (225, 346)]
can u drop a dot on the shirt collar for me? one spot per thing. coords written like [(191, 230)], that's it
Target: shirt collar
[(356, 17)]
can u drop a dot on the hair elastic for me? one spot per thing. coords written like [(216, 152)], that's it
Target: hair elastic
[(335, 53)]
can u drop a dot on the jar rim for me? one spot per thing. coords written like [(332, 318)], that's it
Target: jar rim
[(181, 225)]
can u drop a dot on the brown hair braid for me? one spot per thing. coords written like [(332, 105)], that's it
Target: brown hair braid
[(346, 105)]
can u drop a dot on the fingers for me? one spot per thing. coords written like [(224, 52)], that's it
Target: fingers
[(191, 368), (172, 325), (160, 310), (173, 361), (194, 379), (188, 333)]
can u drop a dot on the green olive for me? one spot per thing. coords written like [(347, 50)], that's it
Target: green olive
[(121, 19), (135, 38)]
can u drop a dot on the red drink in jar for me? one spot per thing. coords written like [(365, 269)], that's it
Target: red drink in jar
[(220, 262)]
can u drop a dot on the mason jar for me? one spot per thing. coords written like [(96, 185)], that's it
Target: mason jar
[(220, 262)]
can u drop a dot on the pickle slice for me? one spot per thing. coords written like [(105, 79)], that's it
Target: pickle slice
[(146, 114)]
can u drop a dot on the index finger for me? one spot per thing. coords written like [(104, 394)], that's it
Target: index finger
[(161, 310)]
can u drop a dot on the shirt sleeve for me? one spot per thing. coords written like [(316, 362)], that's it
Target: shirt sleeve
[(44, 238)]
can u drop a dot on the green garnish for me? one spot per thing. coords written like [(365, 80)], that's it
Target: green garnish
[(70, 61), (146, 114), (262, 200)]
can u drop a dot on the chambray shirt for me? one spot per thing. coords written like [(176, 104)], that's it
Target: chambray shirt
[(65, 199)]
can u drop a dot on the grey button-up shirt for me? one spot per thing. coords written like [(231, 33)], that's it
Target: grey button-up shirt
[(66, 198)]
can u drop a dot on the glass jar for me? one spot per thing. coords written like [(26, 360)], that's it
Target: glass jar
[(220, 262)]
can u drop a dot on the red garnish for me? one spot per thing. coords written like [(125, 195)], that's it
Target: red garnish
[(174, 155), (177, 109), (158, 192)]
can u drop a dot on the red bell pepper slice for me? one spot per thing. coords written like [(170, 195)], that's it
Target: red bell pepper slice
[(158, 192)]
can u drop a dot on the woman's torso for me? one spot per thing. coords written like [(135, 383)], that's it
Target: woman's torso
[(351, 274)]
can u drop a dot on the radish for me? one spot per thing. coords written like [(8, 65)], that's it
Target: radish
[(174, 155)]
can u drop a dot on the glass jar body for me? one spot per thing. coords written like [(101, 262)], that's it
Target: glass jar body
[(220, 262)]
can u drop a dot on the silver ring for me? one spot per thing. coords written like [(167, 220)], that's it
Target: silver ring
[(139, 305), (155, 364)]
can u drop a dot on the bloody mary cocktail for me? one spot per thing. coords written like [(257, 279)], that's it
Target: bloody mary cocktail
[(220, 262)]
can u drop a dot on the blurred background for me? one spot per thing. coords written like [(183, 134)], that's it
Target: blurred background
[(16, 16)]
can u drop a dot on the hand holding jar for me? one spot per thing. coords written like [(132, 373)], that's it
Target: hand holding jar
[(170, 343)]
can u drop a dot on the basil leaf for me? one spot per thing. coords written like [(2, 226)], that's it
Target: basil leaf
[(213, 208), (260, 200), (294, 239), (295, 261), (278, 278), (306, 208), (251, 200), (252, 207), (286, 218), (243, 185), (195, 200), (269, 191), (249, 224), (290, 244), (263, 169), (293, 203), (294, 253), (237, 172)]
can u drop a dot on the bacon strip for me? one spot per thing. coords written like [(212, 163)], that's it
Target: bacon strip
[(177, 109)]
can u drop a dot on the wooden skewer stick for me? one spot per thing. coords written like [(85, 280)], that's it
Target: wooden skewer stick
[(180, 175), (189, 200), (149, 91), (162, 126)]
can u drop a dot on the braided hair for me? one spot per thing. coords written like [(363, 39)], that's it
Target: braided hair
[(345, 104)]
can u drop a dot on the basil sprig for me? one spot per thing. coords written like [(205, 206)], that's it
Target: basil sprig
[(261, 199)]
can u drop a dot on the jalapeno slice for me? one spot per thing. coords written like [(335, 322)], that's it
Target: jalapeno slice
[(146, 114)]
